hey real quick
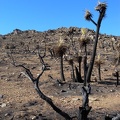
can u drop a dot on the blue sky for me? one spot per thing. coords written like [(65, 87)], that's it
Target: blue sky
[(42, 15)]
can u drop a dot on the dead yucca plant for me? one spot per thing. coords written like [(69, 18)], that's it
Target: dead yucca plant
[(98, 63), (84, 39), (60, 49)]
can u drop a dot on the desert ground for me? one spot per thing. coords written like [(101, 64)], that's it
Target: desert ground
[(20, 101)]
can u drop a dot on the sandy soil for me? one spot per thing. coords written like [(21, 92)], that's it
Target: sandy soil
[(19, 100)]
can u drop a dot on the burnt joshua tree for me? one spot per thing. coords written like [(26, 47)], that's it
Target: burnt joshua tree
[(60, 50), (101, 8), (83, 41), (85, 109)]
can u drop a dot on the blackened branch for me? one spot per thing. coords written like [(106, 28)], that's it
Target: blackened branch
[(36, 83), (93, 22), (41, 58), (50, 102), (28, 72)]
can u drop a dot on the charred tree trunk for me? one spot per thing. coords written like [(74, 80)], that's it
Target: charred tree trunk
[(85, 109), (78, 76), (99, 71), (117, 75), (89, 72), (73, 75), (61, 68), (85, 70), (86, 50), (79, 61)]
